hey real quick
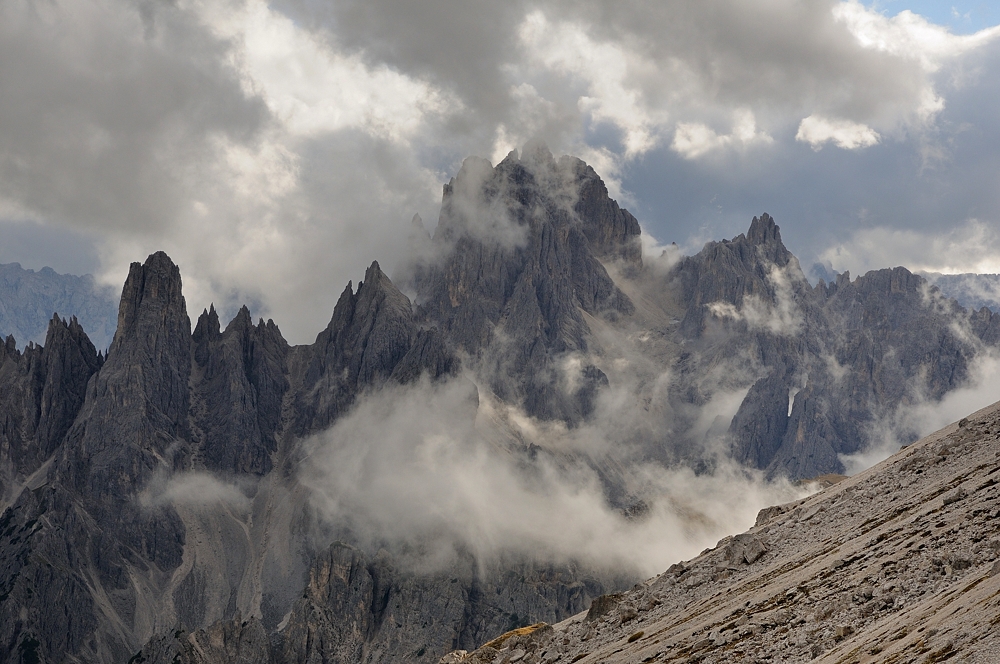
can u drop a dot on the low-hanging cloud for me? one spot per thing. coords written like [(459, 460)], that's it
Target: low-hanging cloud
[(420, 463), (195, 489), (783, 317)]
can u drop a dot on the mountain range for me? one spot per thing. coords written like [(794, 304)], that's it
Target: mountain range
[(217, 494)]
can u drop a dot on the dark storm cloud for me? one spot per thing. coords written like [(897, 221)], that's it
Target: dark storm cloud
[(108, 110)]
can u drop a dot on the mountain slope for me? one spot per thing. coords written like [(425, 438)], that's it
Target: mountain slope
[(384, 493), (112, 509), (898, 563)]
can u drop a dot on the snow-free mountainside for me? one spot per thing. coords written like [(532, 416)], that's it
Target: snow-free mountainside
[(532, 415), (900, 563)]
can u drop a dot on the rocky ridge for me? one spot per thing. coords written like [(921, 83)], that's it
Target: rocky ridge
[(92, 446), (900, 563), (533, 288)]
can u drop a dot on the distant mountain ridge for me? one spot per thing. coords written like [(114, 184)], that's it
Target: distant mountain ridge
[(972, 291), (158, 492), (28, 299)]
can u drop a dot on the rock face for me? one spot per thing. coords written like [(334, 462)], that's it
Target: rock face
[(371, 339), (833, 363), (29, 298), (95, 453), (44, 390), (356, 609), (522, 246), (898, 563), (360, 609), (241, 380), (155, 492)]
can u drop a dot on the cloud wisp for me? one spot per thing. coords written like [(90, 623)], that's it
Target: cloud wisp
[(421, 464)]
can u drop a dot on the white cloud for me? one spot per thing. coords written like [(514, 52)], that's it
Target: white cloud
[(908, 35), (419, 464), (782, 317), (911, 37), (968, 247), (817, 130), (194, 489), (313, 88), (605, 68), (694, 139)]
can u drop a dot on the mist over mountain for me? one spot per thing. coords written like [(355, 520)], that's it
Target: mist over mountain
[(28, 299), (973, 291), (554, 414), (898, 563)]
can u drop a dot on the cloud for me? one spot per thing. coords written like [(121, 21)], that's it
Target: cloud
[(692, 140), (783, 317), (194, 489), (816, 130), (419, 464), (312, 88), (908, 35), (660, 258), (603, 67), (969, 247), (251, 139)]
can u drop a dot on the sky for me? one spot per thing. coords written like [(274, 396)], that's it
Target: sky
[(275, 150)]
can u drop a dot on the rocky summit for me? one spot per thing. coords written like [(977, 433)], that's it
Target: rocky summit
[(187, 496), (900, 563)]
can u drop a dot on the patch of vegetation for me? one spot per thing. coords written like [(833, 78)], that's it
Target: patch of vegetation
[(636, 636)]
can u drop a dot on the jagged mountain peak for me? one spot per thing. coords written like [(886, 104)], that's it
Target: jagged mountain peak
[(765, 236), (763, 230), (519, 259), (752, 265), (151, 298), (8, 348), (241, 321), (375, 277), (537, 156), (208, 325)]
